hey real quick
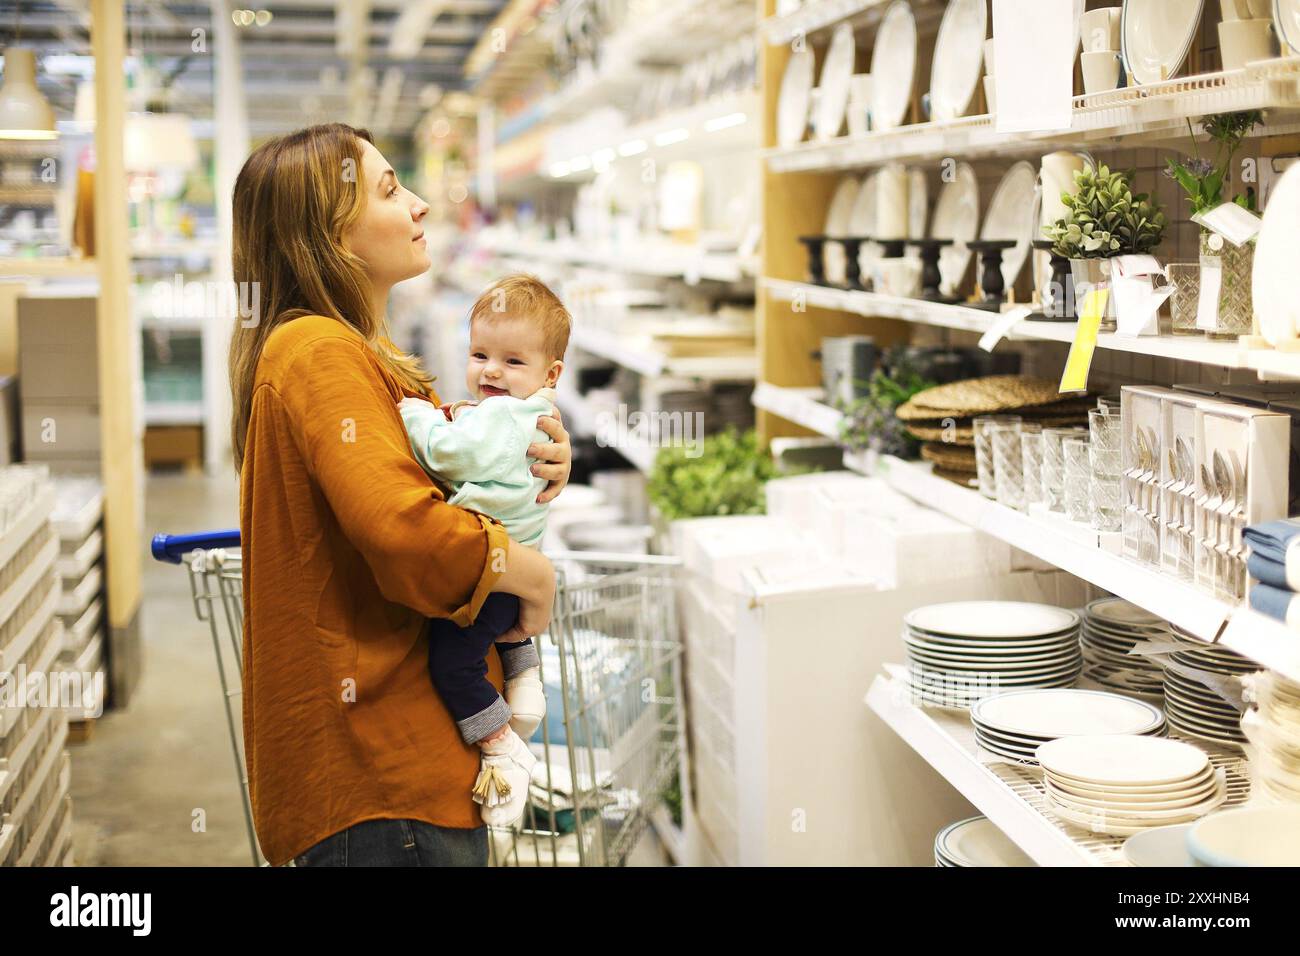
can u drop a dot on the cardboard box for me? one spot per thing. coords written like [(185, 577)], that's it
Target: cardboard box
[(173, 445)]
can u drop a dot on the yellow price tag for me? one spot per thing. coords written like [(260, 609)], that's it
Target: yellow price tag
[(1075, 376)]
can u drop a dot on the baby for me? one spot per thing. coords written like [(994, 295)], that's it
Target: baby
[(519, 331)]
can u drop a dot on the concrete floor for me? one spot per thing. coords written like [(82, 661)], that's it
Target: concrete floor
[(138, 781)]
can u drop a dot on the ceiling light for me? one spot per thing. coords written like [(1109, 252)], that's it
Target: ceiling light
[(154, 142), (458, 193), (25, 113), (632, 147), (724, 122), (668, 137), (263, 17), (603, 157)]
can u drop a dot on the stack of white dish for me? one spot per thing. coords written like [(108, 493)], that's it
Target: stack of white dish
[(1015, 725), (1193, 707), (1274, 729), (1122, 784), (976, 842), (964, 651), (1249, 836), (1111, 627)]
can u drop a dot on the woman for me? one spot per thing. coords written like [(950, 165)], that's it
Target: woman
[(347, 544)]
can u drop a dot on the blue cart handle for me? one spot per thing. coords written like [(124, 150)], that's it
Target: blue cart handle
[(172, 547)]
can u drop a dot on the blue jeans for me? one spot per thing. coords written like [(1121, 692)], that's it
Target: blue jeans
[(399, 843)]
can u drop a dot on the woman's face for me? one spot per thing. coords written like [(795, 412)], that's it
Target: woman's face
[(389, 235)]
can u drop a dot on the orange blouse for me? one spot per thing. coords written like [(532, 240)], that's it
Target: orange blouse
[(347, 547)]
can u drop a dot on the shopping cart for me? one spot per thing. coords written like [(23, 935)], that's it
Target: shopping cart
[(611, 661)]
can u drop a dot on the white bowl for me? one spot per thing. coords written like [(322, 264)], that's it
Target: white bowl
[(1248, 836)]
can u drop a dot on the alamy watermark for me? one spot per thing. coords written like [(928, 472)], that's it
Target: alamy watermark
[(625, 429), (206, 299), (81, 690)]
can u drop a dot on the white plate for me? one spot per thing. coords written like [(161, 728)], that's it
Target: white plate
[(1155, 36), (1059, 713), (1159, 846), (1135, 792), (1010, 665), (958, 53), (796, 91), (990, 648), (991, 619), (893, 66), (977, 842), (1011, 216), (956, 217), (837, 70), (1109, 759), (838, 220), (947, 679), (1272, 293), (1174, 801), (862, 222), (1248, 836), (1120, 613), (1105, 821), (1286, 20)]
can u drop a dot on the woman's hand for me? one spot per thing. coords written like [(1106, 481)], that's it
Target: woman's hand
[(529, 576), (555, 458)]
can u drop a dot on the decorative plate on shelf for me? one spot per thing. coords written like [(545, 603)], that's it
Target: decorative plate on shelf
[(838, 221), (837, 71), (958, 54), (1011, 215), (1155, 37), (792, 104), (956, 217), (893, 66), (1286, 20)]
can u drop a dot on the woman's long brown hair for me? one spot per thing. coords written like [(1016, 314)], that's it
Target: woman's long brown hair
[(293, 202)]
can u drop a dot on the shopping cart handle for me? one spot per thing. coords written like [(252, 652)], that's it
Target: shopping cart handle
[(172, 547)]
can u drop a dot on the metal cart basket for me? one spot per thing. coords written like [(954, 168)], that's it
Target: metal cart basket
[(611, 748)]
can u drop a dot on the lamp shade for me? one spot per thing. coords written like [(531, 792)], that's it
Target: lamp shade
[(25, 113), (154, 142)]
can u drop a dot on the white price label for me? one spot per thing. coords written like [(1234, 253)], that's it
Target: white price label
[(1207, 309)]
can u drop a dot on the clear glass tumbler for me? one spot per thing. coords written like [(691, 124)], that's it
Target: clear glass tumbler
[(1052, 470), (1104, 439), (1078, 479), (1185, 279), (1031, 461), (984, 450), (1008, 471)]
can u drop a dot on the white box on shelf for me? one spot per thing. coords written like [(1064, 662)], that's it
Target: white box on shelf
[(790, 497), (920, 546)]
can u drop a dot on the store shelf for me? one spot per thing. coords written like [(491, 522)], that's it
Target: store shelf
[(27, 578), (50, 267), (661, 259), (640, 356), (16, 650), (1267, 363), (803, 406), (174, 248), (1010, 795), (36, 513), (1261, 639), (173, 413), (812, 16), (1156, 112)]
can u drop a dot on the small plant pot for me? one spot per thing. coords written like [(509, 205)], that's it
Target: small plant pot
[(1090, 274)]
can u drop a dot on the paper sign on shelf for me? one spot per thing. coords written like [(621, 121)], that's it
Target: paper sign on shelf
[(1074, 378), (1036, 41), (1235, 223), (1207, 309), (1137, 301), (1001, 326)]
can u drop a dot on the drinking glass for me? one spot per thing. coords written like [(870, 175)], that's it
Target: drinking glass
[(1185, 279), (1031, 461), (1008, 472), (1078, 479), (984, 450), (1052, 470)]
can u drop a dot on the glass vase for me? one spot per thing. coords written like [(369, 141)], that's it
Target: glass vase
[(1236, 310)]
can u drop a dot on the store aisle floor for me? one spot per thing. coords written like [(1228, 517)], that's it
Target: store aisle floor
[(139, 781)]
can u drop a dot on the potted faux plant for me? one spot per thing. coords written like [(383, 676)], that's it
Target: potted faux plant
[(869, 427), (1104, 219), (1204, 181)]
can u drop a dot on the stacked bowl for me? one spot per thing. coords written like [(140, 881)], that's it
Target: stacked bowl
[(1015, 725), (1122, 784), (1111, 629), (1195, 708), (976, 842), (961, 652), (1274, 729)]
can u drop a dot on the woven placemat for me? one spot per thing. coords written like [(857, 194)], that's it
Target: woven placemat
[(966, 479), (960, 431), (949, 457), (981, 396), (1065, 406)]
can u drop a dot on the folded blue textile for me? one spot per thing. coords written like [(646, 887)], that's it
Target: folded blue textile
[(1276, 603), (1277, 542), (1267, 571)]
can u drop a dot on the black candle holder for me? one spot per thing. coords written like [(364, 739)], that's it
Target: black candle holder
[(853, 252), (816, 246), (1061, 306), (931, 277), (991, 281), (892, 248)]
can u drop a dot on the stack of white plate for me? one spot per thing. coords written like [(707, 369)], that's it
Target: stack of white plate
[(1122, 784), (1111, 627), (1277, 744), (1016, 725), (1194, 708), (976, 842), (964, 651), (1258, 835)]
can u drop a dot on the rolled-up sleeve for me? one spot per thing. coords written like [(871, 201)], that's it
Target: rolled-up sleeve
[(437, 559)]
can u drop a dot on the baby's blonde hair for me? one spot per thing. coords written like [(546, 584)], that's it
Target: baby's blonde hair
[(523, 296)]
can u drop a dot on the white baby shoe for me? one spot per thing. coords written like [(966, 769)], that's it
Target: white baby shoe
[(502, 784), (527, 699)]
